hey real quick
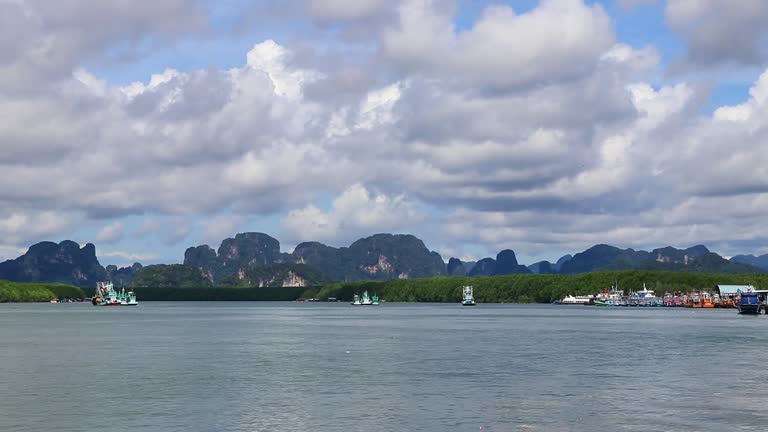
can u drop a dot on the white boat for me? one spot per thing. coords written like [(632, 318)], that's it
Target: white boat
[(578, 300), (469, 298)]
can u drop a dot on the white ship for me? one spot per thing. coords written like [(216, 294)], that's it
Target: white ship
[(578, 300), (469, 298)]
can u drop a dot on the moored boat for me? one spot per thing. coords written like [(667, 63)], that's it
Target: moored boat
[(749, 304), (578, 300), (707, 301), (469, 297)]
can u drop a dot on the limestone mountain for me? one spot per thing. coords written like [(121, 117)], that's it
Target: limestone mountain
[(760, 262), (65, 262), (542, 267), (204, 259), (247, 259), (456, 267), (278, 275), (558, 266), (483, 267), (169, 276), (504, 264), (694, 259), (255, 259), (237, 258), (378, 257), (122, 277)]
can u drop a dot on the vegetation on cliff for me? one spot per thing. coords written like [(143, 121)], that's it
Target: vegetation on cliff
[(169, 276)]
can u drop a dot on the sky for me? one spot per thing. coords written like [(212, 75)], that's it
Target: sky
[(540, 126)]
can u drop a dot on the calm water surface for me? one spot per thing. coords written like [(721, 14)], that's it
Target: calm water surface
[(396, 367)]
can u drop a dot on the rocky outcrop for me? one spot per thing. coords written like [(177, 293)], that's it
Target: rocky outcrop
[(484, 267), (65, 262), (760, 262), (542, 267), (504, 264), (455, 267), (122, 277), (378, 257), (695, 259)]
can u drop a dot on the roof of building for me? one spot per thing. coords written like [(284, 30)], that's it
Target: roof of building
[(734, 289)]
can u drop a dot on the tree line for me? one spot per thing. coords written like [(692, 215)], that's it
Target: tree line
[(523, 288), (18, 292)]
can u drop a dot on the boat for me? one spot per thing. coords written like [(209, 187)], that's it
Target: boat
[(578, 300), (365, 300), (469, 298), (696, 300), (54, 300), (707, 302), (614, 297), (106, 295), (749, 304), (645, 298)]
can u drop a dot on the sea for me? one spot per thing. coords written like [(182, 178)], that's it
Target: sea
[(271, 366)]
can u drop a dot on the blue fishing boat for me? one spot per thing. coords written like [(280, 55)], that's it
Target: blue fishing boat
[(750, 304)]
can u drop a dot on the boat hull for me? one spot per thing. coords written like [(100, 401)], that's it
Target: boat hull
[(750, 309)]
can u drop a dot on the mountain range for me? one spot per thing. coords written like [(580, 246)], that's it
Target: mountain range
[(255, 260)]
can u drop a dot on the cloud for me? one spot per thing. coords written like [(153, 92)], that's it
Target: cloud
[(629, 4), (721, 31), (534, 130), (557, 40), (221, 227), (111, 233), (41, 42), (20, 228), (171, 230), (129, 256), (354, 213), (346, 9)]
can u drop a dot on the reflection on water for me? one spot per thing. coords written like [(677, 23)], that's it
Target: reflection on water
[(333, 367)]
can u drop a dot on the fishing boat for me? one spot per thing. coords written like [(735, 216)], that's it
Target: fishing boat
[(695, 300), (707, 301), (365, 300), (106, 295), (469, 298), (646, 298), (614, 297), (749, 304)]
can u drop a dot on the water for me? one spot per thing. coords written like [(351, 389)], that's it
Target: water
[(398, 367)]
